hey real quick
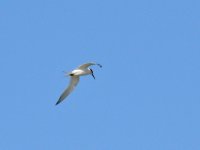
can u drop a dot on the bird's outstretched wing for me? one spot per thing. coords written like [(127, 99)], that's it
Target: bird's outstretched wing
[(84, 66), (69, 89)]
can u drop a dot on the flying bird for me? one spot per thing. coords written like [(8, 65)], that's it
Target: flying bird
[(75, 74)]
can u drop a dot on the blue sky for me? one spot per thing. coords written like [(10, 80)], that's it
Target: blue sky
[(146, 96)]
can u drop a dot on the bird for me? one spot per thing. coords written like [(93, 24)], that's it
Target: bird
[(75, 75)]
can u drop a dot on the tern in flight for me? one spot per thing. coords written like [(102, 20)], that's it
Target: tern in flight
[(80, 71)]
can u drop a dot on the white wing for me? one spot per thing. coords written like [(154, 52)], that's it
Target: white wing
[(69, 89), (86, 65)]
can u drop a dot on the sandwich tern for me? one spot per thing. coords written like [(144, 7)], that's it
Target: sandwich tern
[(75, 74)]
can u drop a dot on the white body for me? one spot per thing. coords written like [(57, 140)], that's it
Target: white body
[(80, 71)]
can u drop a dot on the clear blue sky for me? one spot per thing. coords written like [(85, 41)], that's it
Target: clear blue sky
[(146, 96)]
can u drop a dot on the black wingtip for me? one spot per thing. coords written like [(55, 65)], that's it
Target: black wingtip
[(57, 103), (99, 65)]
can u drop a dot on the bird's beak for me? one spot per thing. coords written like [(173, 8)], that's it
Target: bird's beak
[(93, 75)]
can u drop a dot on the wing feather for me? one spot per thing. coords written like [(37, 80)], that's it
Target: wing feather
[(73, 82), (86, 65)]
